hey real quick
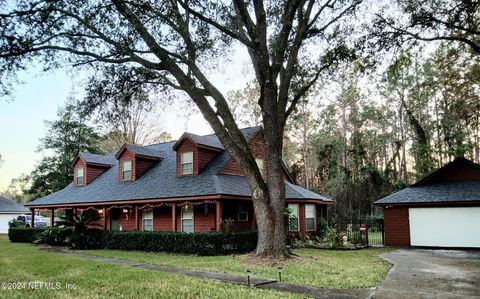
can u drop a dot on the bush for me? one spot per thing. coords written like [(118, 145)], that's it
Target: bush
[(24, 234), (322, 227), (85, 239), (15, 223), (51, 236), (201, 243)]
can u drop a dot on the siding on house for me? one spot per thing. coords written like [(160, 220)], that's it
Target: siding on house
[(205, 156), (396, 225), (162, 218), (462, 172), (204, 222), (230, 211), (127, 220), (142, 166), (257, 146), (94, 171)]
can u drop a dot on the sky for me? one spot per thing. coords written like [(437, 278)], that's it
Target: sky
[(37, 99)]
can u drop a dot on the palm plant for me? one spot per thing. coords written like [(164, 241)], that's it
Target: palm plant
[(80, 222), (85, 232)]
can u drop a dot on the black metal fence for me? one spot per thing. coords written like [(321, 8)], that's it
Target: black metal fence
[(367, 232)]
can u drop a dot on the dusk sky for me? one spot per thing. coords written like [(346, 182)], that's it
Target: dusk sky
[(22, 120)]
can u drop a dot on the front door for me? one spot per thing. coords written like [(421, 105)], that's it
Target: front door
[(114, 219)]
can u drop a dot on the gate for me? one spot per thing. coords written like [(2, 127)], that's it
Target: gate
[(366, 232), (375, 232)]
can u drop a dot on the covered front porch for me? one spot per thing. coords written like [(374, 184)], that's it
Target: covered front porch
[(186, 215)]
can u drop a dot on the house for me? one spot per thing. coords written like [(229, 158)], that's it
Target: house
[(440, 210), (189, 185), (9, 210)]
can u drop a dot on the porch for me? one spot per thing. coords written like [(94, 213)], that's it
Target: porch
[(193, 215)]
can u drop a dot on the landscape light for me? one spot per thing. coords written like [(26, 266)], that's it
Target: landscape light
[(248, 271)]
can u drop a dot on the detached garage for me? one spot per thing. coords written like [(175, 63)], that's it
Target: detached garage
[(440, 210), (8, 211)]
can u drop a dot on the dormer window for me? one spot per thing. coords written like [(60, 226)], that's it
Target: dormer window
[(187, 163), (127, 170), (80, 180)]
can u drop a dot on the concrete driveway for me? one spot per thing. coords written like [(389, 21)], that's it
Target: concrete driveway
[(421, 273)]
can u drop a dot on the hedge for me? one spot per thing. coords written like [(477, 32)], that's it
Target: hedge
[(24, 234), (201, 243)]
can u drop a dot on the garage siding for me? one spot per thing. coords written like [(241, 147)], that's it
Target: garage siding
[(397, 230)]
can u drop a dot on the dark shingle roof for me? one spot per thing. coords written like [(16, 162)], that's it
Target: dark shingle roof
[(462, 191), (7, 205), (208, 140), (98, 159), (145, 151), (161, 182)]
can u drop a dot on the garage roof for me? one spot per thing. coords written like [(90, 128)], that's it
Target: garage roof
[(7, 205), (457, 181), (462, 191)]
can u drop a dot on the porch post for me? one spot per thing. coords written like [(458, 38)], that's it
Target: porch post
[(137, 226), (52, 217), (174, 217), (104, 218), (218, 214), (32, 220)]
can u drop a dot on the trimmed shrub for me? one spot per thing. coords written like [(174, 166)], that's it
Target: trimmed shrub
[(201, 243), (85, 239), (24, 234)]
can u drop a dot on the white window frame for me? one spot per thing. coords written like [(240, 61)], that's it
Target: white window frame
[(124, 171), (82, 176), (184, 208), (295, 211), (147, 214), (185, 163), (242, 210), (310, 211)]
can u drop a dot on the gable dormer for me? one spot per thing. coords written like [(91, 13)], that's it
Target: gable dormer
[(194, 153), (257, 145), (134, 161), (87, 167)]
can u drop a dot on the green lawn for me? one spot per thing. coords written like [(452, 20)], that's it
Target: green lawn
[(23, 263), (321, 268)]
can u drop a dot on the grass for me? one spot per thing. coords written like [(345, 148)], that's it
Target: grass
[(23, 263), (321, 268)]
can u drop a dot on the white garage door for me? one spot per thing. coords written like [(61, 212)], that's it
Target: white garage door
[(4, 219), (445, 227)]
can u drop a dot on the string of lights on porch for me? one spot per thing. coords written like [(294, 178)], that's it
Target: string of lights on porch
[(125, 208)]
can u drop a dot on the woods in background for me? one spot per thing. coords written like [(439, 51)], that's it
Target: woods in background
[(365, 133)]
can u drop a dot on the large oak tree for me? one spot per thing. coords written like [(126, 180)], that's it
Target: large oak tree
[(177, 44)]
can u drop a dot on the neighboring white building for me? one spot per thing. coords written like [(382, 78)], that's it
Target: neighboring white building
[(8, 211)]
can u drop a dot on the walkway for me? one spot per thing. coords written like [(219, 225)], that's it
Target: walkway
[(237, 279)]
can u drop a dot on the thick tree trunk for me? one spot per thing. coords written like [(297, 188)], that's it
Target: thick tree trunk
[(270, 211)]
